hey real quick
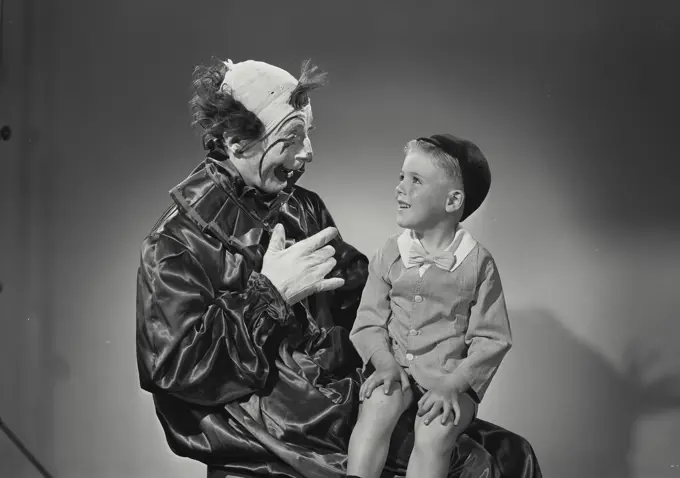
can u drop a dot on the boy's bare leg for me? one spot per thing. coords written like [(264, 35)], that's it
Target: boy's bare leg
[(370, 440), (434, 443)]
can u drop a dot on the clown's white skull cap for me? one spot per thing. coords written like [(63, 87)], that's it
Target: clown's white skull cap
[(262, 88)]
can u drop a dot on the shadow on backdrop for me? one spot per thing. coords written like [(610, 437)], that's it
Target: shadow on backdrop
[(563, 384)]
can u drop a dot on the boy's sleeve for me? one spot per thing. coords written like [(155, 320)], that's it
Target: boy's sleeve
[(488, 335), (369, 332)]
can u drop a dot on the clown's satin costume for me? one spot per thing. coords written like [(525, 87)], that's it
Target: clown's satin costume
[(241, 380)]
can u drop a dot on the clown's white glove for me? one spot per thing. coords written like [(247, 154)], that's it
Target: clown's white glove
[(299, 271)]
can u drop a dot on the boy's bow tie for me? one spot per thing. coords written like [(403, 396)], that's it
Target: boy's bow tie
[(418, 256)]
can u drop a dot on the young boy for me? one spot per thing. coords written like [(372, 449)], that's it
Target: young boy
[(432, 316)]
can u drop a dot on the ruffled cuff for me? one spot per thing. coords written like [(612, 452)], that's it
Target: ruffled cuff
[(265, 299)]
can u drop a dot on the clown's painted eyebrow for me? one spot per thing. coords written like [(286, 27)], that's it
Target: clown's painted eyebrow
[(294, 125)]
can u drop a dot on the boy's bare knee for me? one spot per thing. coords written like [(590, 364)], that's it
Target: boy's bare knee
[(436, 438), (439, 439), (381, 407), (378, 401)]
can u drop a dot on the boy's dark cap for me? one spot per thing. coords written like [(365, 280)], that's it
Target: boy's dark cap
[(473, 165)]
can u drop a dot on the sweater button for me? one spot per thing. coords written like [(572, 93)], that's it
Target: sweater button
[(418, 298), (409, 357)]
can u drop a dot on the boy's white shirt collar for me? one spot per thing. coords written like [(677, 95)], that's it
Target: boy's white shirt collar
[(462, 237)]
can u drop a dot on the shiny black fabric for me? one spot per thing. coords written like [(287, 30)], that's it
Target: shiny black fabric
[(241, 380)]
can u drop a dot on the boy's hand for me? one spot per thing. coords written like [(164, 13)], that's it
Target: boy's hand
[(387, 372), (436, 402)]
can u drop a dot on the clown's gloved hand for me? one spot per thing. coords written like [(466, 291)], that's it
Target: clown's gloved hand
[(300, 270)]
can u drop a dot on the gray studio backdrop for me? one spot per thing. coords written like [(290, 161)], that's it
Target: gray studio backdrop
[(574, 103)]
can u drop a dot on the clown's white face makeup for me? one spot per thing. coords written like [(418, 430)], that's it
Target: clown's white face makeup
[(271, 164), (426, 195)]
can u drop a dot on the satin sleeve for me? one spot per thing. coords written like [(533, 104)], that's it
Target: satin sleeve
[(199, 344), (351, 266)]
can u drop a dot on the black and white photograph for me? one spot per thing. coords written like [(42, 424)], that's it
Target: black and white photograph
[(304, 239)]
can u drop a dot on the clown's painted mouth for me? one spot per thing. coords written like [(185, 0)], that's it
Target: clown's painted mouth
[(283, 174)]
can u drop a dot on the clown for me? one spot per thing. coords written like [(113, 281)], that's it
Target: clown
[(246, 294)]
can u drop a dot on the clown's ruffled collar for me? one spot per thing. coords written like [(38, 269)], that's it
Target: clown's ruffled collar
[(217, 199)]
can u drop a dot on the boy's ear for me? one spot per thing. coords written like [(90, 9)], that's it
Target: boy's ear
[(455, 200)]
